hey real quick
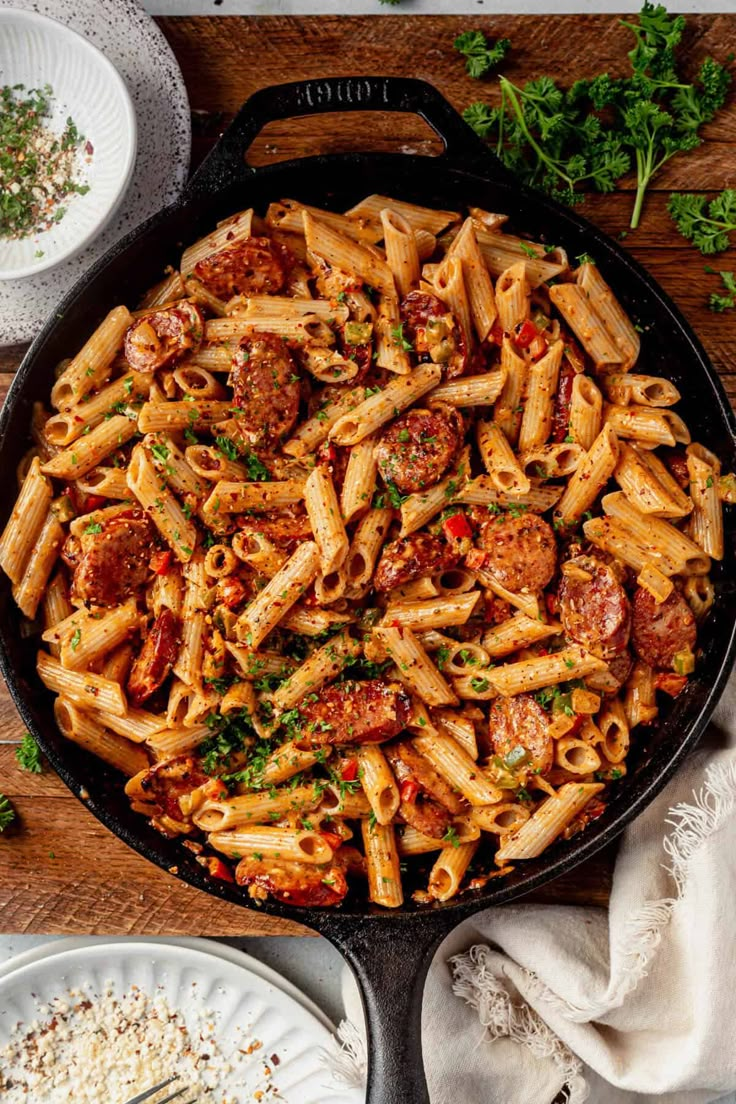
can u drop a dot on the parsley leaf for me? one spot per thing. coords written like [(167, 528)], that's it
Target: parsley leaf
[(480, 55), (7, 813), (28, 755), (721, 303), (706, 224)]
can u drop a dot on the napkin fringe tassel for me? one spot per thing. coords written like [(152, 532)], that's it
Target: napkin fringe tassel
[(503, 1018), (345, 1056)]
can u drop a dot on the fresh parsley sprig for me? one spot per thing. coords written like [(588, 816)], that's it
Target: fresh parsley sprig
[(480, 55), (28, 755), (7, 813), (590, 135), (718, 302), (705, 223)]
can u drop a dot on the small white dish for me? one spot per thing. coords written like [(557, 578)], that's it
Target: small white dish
[(36, 51)]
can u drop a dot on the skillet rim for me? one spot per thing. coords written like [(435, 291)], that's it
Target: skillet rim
[(653, 775)]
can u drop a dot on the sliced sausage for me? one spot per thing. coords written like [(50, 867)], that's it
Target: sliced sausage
[(266, 388), (285, 530), (658, 632), (157, 656), (610, 680), (353, 712), (163, 337), (113, 565), (427, 816), (434, 332), (521, 552), (594, 608), (419, 447), (293, 883), (676, 461), (411, 558), (167, 782), (409, 763), (521, 722), (255, 266)]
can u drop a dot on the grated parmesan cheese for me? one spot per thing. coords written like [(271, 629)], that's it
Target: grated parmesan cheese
[(85, 1048)]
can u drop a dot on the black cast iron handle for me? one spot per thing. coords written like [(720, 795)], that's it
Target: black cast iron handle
[(391, 961), (226, 164)]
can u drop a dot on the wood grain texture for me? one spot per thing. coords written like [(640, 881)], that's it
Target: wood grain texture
[(60, 870)]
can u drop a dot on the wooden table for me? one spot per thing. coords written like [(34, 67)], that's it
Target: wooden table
[(61, 871)]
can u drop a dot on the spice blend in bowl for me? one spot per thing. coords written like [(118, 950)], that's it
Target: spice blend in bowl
[(39, 169), (67, 142)]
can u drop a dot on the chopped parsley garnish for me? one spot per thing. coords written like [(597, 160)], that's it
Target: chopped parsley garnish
[(7, 813), (28, 755), (38, 168)]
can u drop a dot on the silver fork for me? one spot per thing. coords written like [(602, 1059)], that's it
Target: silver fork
[(157, 1088)]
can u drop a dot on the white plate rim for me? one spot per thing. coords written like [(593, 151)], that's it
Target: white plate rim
[(210, 946), (80, 42)]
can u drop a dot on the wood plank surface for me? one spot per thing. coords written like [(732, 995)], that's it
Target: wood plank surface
[(60, 870)]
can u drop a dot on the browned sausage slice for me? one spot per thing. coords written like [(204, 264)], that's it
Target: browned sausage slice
[(411, 558), (434, 332), (427, 816), (407, 762), (167, 782), (157, 657), (293, 883), (610, 681), (418, 448), (255, 266), (284, 530), (658, 632), (353, 712), (521, 722), (266, 388), (594, 608), (113, 564), (521, 552), (163, 337), (676, 461)]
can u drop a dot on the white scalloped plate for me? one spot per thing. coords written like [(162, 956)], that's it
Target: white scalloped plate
[(246, 1008), (132, 42)]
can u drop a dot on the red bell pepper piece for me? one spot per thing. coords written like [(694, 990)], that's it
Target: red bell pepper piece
[(218, 869), (670, 683), (527, 332), (456, 527), (349, 771), (161, 562), (409, 791), (332, 839)]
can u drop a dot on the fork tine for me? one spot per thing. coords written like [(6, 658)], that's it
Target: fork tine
[(173, 1096), (155, 1088)]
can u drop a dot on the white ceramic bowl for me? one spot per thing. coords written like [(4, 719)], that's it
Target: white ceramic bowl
[(36, 51)]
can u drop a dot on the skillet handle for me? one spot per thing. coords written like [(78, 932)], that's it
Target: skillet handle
[(391, 960), (226, 164)]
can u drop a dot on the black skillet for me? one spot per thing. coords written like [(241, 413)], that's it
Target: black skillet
[(389, 951)]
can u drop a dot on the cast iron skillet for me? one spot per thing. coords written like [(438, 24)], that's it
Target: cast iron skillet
[(389, 951)]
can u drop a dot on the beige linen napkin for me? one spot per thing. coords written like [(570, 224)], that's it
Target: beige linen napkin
[(636, 1005)]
